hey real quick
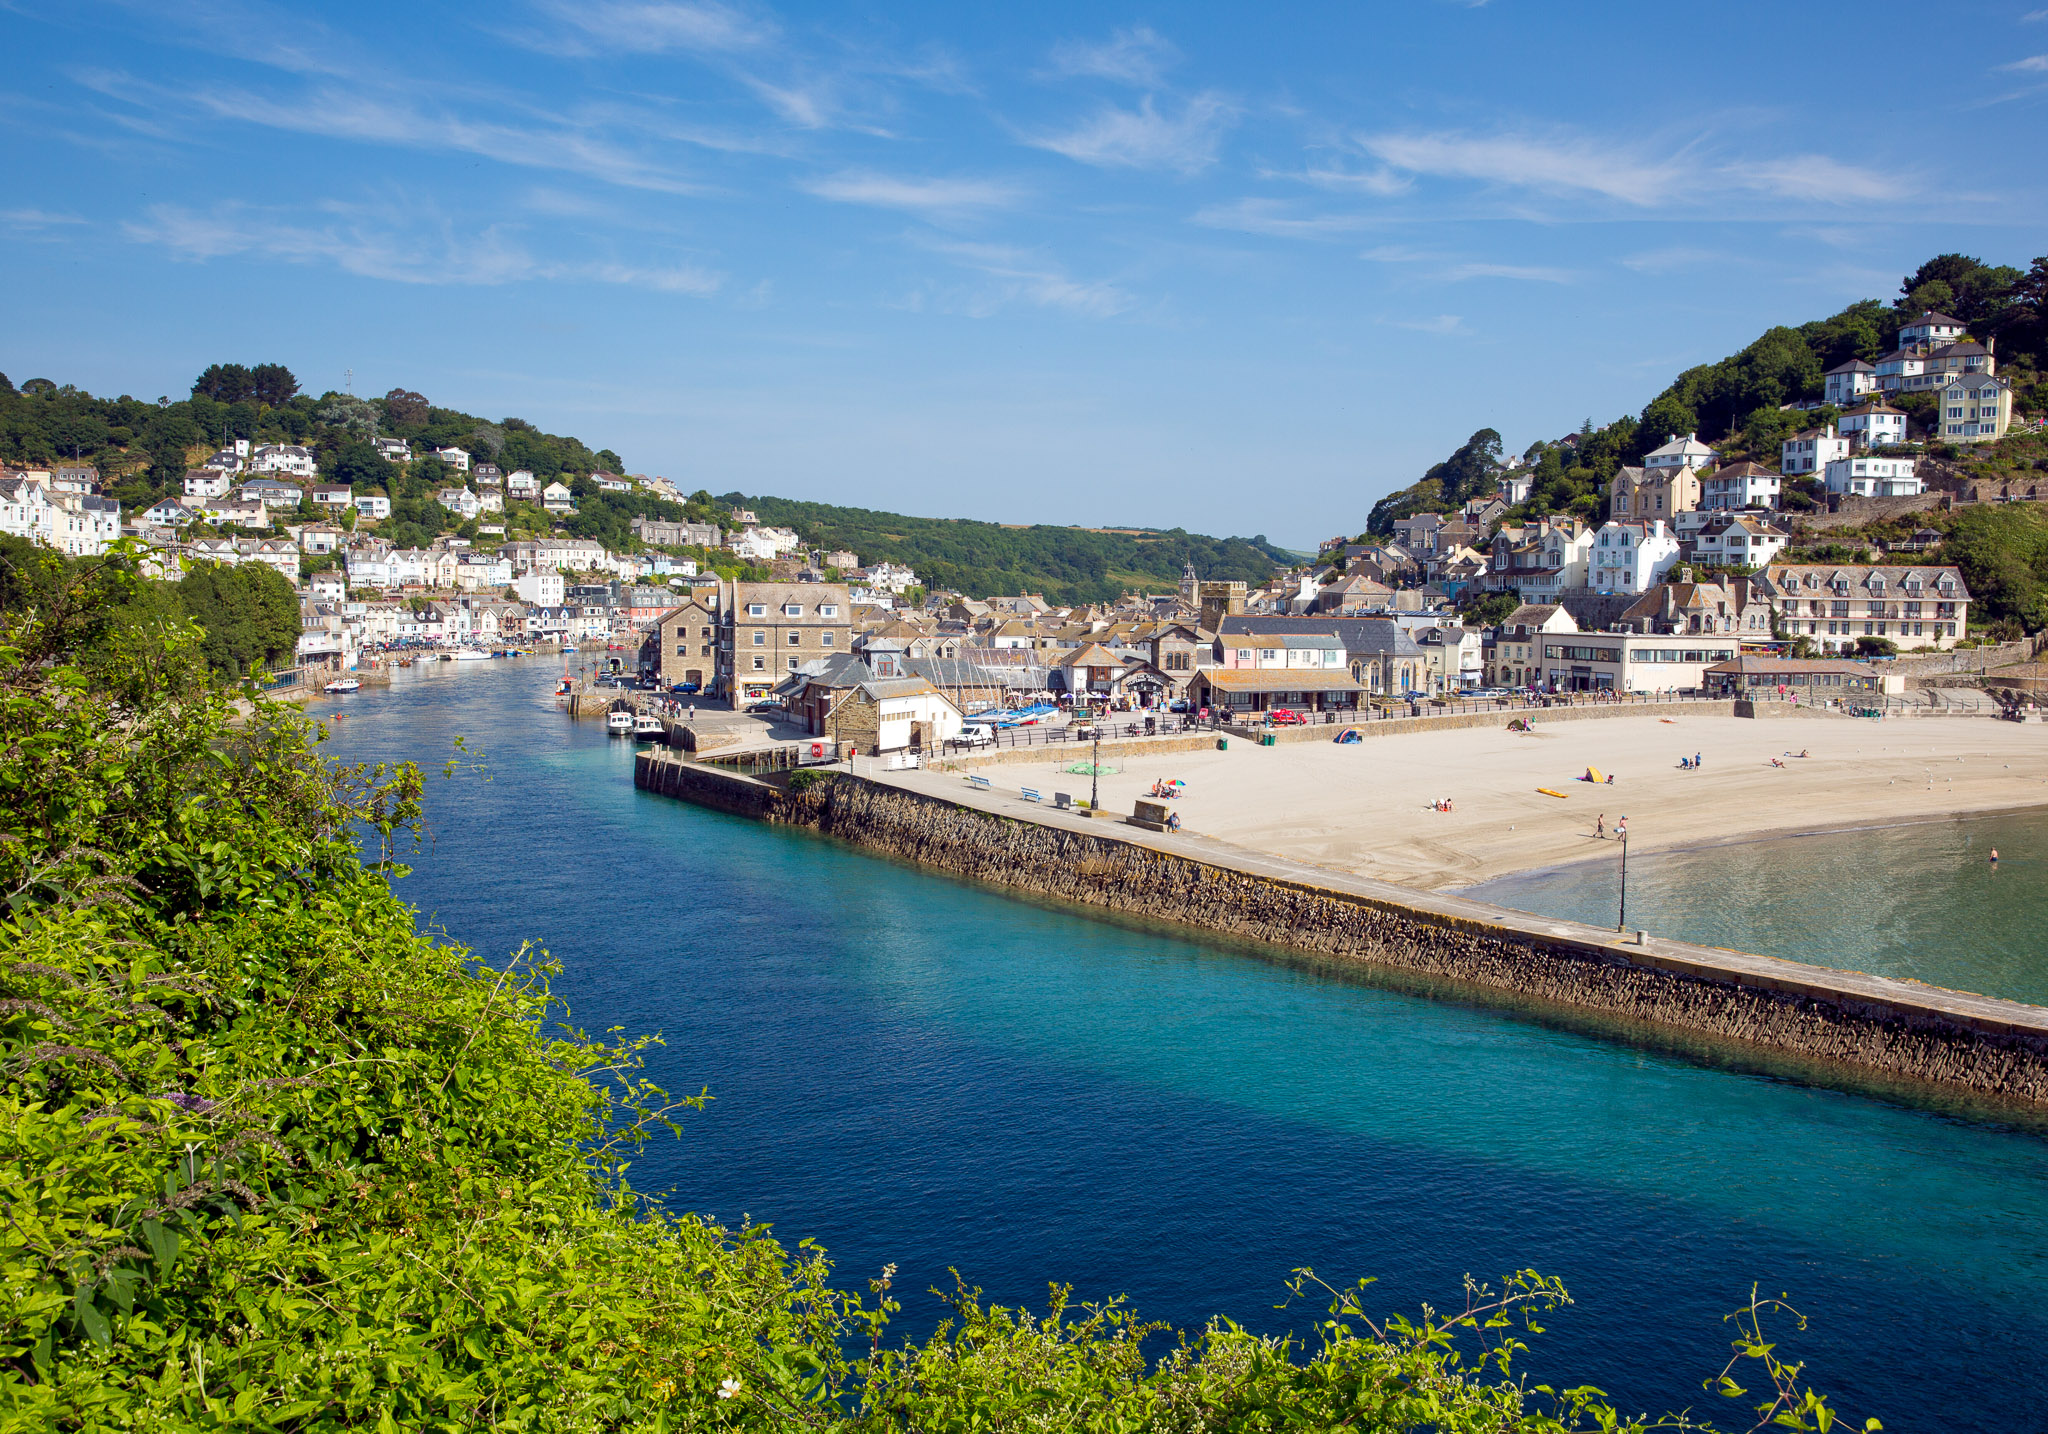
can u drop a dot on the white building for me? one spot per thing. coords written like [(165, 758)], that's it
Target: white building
[(752, 545), (459, 501), (372, 506), (208, 483), (456, 458), (1975, 408), (1514, 487), (332, 495), (1631, 557), (1739, 540), (393, 450), (891, 577), (1811, 451), (169, 513), (1686, 452), (1931, 330), (1740, 485), (1843, 384), (543, 587), (1872, 424), (272, 494), (1864, 476), (228, 513), (330, 586), (520, 483), (285, 458), (557, 499)]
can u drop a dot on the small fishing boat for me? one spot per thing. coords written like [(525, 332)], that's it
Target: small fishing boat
[(619, 724), (645, 726), (343, 684), (469, 654)]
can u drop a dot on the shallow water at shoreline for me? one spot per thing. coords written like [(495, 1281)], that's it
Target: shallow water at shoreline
[(924, 1071), (1920, 901)]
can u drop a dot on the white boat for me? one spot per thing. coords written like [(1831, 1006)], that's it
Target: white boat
[(343, 684), (646, 726), (468, 654), (619, 723)]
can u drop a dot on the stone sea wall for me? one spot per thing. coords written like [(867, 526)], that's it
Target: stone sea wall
[(2000, 1051)]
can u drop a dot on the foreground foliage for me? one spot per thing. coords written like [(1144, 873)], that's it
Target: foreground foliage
[(274, 1160)]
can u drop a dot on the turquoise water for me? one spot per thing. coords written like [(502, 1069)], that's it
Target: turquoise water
[(1920, 901), (923, 1071)]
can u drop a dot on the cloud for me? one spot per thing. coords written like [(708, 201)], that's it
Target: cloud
[(1024, 277), (1441, 324), (377, 244), (1815, 176), (1145, 139), (1565, 163), (1532, 273), (353, 114), (1271, 217), (36, 218), (1137, 56), (1369, 181), (646, 27), (919, 196), (2034, 63), (1556, 163), (1670, 260)]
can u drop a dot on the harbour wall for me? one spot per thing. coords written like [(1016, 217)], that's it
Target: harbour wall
[(1868, 1025), (1535, 716)]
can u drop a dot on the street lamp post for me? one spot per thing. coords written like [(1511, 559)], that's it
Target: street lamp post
[(1621, 917), (1095, 768)]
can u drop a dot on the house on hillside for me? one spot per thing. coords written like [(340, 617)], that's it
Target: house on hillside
[(1872, 424), (1741, 485), (1648, 494), (1631, 557), (1975, 408), (456, 458), (556, 498), (1811, 450), (1843, 384), (1686, 452), (1834, 604), (1865, 476), (1929, 330)]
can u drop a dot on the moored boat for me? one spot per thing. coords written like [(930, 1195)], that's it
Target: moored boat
[(619, 724), (646, 726), (343, 684)]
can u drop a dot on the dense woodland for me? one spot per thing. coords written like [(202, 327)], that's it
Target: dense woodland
[(1065, 565), (1736, 403)]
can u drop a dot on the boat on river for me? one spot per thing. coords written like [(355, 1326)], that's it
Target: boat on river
[(645, 726), (619, 724), (343, 684)]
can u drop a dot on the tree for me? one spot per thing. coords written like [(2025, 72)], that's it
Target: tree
[(169, 435), (225, 383), (406, 408), (357, 416), (1483, 609), (273, 384), (362, 467), (248, 613)]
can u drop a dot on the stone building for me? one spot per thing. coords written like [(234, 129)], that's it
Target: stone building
[(772, 629), (682, 646)]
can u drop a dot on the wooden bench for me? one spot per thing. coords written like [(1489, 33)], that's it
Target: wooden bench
[(1031, 794), (979, 783)]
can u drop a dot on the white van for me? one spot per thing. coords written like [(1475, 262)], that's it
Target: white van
[(976, 734)]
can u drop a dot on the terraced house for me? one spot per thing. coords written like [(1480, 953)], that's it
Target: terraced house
[(772, 629), (1836, 604)]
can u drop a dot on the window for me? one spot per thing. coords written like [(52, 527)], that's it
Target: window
[(682, 649), (757, 609), (791, 609), (760, 664), (828, 609), (760, 638), (796, 639), (825, 638), (792, 664)]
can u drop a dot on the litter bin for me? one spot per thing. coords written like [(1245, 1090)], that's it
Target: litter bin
[(1269, 740), (1223, 744)]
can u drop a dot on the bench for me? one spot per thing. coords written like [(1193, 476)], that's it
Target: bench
[(1063, 801), (1031, 794), (978, 783)]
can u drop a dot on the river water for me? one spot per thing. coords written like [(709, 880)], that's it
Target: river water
[(919, 1070)]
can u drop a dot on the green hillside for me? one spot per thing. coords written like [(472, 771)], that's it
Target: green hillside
[(1737, 402), (1066, 565)]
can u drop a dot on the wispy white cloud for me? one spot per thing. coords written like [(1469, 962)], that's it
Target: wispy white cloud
[(1381, 181), (36, 219), (1139, 55), (1146, 139), (1278, 220), (919, 196), (1022, 276), (1441, 324), (353, 113), (1529, 273), (2032, 63), (1670, 260), (1561, 162), (378, 243), (585, 27)]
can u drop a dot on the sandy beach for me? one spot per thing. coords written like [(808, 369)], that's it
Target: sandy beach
[(1365, 807)]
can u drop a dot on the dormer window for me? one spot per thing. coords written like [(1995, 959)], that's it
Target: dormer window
[(757, 609), (792, 609)]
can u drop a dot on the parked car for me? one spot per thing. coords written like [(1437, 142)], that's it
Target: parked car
[(975, 734), (764, 707), (1285, 717), (688, 689)]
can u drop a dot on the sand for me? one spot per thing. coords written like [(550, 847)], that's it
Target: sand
[(1364, 808)]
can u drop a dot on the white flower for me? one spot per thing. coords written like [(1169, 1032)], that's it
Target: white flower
[(727, 1388)]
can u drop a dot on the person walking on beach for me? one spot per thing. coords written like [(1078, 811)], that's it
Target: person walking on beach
[(1600, 826), (1621, 828)]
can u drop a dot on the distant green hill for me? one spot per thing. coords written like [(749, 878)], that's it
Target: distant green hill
[(1066, 565), (1737, 402)]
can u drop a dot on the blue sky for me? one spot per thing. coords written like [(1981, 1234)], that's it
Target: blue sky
[(1237, 268)]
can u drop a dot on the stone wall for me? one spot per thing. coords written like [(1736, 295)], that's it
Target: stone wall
[(2001, 1051), (1968, 659)]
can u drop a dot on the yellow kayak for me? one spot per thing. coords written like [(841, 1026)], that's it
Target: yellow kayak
[(1546, 791)]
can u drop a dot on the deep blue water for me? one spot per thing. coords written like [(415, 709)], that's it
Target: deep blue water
[(923, 1071)]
